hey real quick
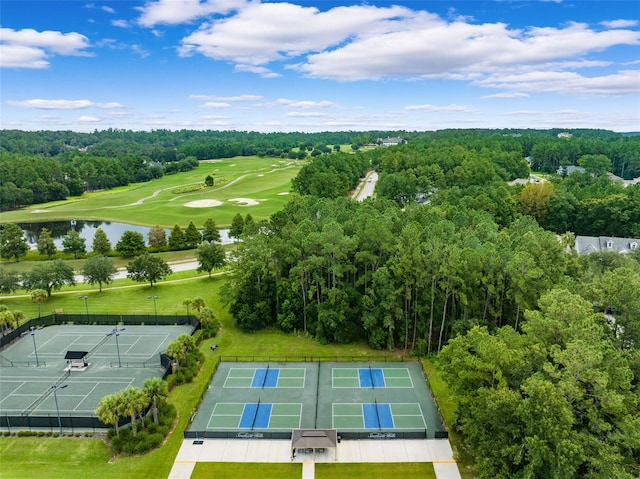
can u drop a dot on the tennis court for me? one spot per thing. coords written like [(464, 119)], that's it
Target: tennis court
[(265, 378), (360, 400), (35, 373), (378, 415), (255, 416), (371, 378)]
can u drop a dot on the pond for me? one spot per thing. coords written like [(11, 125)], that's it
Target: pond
[(87, 229)]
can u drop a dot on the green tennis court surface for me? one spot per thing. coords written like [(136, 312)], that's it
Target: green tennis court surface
[(378, 416), (371, 378), (255, 416), (28, 372), (269, 399), (265, 377)]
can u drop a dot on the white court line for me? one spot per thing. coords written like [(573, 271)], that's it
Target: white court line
[(85, 397), (14, 391)]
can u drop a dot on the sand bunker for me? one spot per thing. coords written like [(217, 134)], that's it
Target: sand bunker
[(203, 203), (244, 201), (283, 193)]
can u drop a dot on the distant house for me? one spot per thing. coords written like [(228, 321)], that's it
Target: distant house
[(391, 141), (568, 169), (565, 135), (593, 244)]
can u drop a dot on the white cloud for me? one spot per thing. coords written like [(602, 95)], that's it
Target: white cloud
[(20, 56), (298, 104), (43, 104), (174, 12), (507, 95), (109, 105), (116, 45), (225, 98), (621, 83), (620, 23), (89, 119), (108, 9), (264, 32), (446, 108), (306, 104), (120, 23), (306, 114), (29, 48), (440, 48), (262, 71), (215, 104)]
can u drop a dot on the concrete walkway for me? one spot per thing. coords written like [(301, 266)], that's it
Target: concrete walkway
[(437, 451)]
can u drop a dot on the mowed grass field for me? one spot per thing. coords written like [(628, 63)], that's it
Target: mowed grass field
[(123, 296), (266, 182)]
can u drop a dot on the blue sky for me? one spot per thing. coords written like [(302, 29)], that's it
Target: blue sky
[(319, 65)]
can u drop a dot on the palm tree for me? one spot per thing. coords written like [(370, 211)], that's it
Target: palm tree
[(156, 389), (187, 302), (142, 402), (7, 319), (198, 303), (108, 411), (128, 406), (206, 317), (180, 347), (176, 350), (38, 296)]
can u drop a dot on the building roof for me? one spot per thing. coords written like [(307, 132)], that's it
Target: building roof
[(314, 438), (568, 169), (76, 354), (592, 244)]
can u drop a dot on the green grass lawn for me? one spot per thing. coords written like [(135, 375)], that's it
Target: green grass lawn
[(423, 470), (122, 296), (447, 406), (163, 202), (228, 470)]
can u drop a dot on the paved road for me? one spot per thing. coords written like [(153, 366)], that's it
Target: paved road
[(175, 267), (366, 187)]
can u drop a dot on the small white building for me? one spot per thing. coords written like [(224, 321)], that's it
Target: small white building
[(391, 141)]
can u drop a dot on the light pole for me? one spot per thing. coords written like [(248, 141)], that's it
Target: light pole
[(35, 349), (116, 333), (86, 305), (155, 306), (55, 396)]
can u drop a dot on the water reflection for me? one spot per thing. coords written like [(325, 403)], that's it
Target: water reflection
[(87, 229)]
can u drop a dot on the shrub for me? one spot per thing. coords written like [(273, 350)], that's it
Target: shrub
[(148, 439)]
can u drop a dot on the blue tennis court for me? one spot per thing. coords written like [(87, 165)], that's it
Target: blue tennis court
[(377, 416), (265, 378), (255, 415), (371, 378)]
